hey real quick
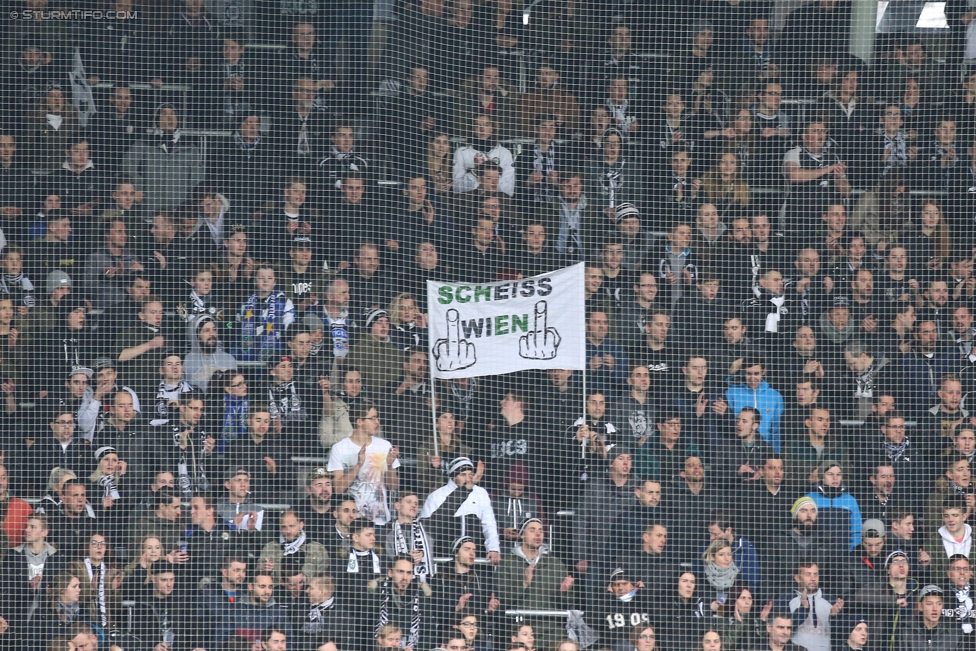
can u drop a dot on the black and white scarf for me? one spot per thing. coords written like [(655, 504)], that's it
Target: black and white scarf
[(289, 548), (248, 147), (418, 541), (167, 141), (545, 164), (102, 602), (618, 113), (412, 638), (613, 180), (897, 151), (896, 452), (107, 482), (865, 383), (315, 615), (304, 144), (353, 564)]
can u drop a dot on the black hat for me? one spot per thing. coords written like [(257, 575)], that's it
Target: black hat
[(460, 541), (930, 589), (236, 471), (458, 466), (618, 574), (526, 523)]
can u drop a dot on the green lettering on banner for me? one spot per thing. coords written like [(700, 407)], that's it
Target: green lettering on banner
[(520, 322), (501, 325), (444, 295), (463, 299), (482, 292)]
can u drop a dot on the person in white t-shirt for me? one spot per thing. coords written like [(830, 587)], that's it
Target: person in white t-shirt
[(366, 466)]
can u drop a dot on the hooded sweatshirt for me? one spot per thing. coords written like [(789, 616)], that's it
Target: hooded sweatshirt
[(768, 401), (199, 366), (838, 498)]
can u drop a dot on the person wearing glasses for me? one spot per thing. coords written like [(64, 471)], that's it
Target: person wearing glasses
[(100, 582), (61, 449), (365, 465), (468, 630)]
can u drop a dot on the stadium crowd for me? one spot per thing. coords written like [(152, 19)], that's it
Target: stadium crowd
[(218, 429)]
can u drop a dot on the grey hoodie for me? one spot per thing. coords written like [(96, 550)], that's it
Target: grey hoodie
[(199, 367)]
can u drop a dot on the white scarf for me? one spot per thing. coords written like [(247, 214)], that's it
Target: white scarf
[(353, 565), (102, 604), (108, 483), (55, 121), (289, 548), (418, 541)]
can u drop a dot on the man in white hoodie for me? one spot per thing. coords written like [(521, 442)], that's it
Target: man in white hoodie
[(462, 508), (470, 159), (953, 537)]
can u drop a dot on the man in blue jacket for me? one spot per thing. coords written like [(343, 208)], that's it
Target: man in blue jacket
[(757, 393)]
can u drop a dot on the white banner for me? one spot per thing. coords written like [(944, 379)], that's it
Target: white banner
[(513, 325)]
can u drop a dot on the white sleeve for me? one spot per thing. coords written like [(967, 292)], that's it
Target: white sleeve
[(792, 156), (506, 183), (464, 178), (290, 313), (88, 416), (335, 463), (489, 526), (435, 500)]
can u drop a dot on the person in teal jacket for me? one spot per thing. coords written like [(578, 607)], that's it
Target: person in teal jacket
[(756, 392), (831, 494)]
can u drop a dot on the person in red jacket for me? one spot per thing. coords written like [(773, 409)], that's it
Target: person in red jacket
[(13, 513)]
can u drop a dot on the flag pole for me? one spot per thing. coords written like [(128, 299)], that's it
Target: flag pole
[(433, 408), (584, 401)]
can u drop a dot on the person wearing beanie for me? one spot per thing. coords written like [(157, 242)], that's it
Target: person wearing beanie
[(929, 630), (855, 632), (834, 504), (530, 578), (206, 354), (462, 508), (462, 588), (889, 603), (604, 497), (867, 559), (636, 238), (809, 540), (375, 354)]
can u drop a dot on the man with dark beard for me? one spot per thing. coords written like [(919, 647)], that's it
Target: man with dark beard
[(206, 355), (316, 509), (807, 542)]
